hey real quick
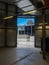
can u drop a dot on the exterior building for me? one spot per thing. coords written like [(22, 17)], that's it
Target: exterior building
[(26, 29)]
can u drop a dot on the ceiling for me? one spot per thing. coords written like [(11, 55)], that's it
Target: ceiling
[(29, 5), (26, 5)]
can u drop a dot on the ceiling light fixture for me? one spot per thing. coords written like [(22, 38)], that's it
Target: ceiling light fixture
[(8, 17), (30, 12)]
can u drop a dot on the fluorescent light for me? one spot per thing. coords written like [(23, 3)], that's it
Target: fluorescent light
[(30, 12), (8, 17), (40, 27), (42, 23), (47, 27)]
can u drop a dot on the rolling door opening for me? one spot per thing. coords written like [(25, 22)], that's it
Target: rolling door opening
[(25, 31)]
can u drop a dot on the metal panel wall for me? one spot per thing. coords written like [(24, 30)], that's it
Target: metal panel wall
[(11, 37), (8, 34), (38, 35), (2, 6), (38, 31), (11, 8), (2, 34), (2, 37), (11, 32)]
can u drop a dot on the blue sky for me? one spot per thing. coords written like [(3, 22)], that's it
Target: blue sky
[(23, 21)]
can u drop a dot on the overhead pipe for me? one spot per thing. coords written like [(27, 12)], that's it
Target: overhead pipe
[(45, 2)]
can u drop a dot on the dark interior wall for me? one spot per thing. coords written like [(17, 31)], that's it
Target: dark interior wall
[(47, 15), (8, 33), (7, 9), (38, 20), (11, 32), (38, 31)]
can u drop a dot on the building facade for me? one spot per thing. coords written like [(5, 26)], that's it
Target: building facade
[(26, 29)]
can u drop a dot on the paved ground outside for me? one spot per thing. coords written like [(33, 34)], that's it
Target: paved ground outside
[(26, 42)]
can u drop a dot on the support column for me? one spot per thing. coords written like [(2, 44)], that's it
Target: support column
[(27, 30), (24, 29), (44, 35), (31, 30), (16, 25), (6, 7)]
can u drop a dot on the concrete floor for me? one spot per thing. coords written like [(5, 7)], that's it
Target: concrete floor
[(8, 56), (21, 56), (34, 59), (24, 54)]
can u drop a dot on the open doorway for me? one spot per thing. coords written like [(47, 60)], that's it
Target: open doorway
[(25, 31)]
